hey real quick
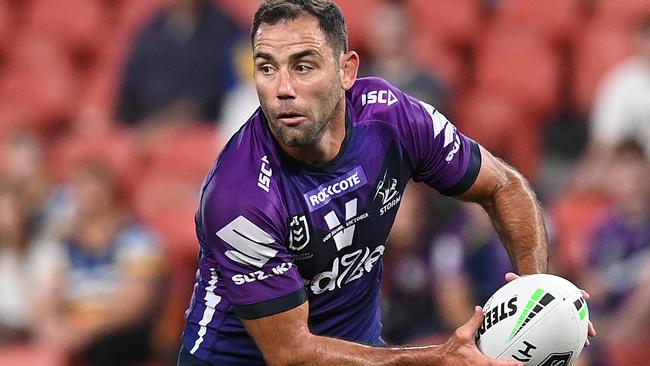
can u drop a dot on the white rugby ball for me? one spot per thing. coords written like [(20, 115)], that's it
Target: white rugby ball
[(539, 319)]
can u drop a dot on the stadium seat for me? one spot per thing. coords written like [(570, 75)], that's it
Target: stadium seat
[(116, 147), (356, 14), (441, 60), (168, 204), (555, 20), (621, 12), (454, 22), (74, 24), (600, 48), (186, 152), (522, 66), (39, 86), (502, 126), (575, 216), (7, 24)]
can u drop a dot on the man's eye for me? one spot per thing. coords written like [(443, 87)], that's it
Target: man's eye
[(303, 68), (266, 70)]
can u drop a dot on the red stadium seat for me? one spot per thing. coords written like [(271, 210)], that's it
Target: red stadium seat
[(522, 66), (597, 51), (455, 22), (40, 85), (502, 126), (116, 147), (187, 153), (168, 205), (440, 60), (555, 20), (356, 14), (7, 24), (621, 12), (575, 217), (74, 24)]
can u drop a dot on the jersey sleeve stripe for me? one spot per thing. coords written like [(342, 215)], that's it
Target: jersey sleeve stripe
[(471, 173), (273, 306)]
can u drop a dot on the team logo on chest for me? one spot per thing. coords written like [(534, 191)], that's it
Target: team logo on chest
[(388, 191), (298, 232)]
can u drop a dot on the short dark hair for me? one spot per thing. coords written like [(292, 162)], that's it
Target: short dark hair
[(328, 14)]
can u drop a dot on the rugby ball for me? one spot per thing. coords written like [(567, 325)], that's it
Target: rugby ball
[(539, 319)]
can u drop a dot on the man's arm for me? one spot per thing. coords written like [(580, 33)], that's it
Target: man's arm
[(515, 213), (285, 339)]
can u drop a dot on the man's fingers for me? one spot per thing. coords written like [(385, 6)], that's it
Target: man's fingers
[(471, 327), (510, 276), (507, 363), (591, 331)]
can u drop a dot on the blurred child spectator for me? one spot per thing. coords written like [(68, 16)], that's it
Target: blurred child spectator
[(101, 305), (620, 253), (622, 108), (180, 65), (389, 56)]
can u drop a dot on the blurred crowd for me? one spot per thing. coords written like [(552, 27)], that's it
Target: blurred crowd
[(112, 111)]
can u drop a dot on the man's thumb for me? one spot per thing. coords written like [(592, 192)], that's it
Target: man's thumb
[(476, 320)]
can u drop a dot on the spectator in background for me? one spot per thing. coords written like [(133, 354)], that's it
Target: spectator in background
[(180, 65), (622, 108), (24, 270), (100, 307), (389, 56), (468, 264), (23, 169), (620, 254), (408, 311), (241, 101)]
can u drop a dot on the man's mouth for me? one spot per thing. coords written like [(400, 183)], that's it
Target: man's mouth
[(290, 118)]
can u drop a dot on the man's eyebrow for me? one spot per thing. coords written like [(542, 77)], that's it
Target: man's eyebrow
[(304, 53), (293, 57), (262, 55)]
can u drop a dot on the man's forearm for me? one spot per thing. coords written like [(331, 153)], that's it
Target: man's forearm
[(519, 221), (285, 340), (332, 351)]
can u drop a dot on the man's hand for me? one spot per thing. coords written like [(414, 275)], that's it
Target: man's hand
[(591, 331), (461, 348)]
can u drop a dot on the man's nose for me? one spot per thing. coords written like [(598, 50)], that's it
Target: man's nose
[(286, 89)]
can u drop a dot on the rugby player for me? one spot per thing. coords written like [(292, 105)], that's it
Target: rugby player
[(294, 215)]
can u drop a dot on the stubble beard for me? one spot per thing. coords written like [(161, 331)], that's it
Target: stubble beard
[(314, 127)]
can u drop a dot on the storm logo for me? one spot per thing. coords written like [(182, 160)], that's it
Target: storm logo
[(388, 190)]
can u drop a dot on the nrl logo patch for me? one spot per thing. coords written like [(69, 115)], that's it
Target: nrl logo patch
[(298, 232)]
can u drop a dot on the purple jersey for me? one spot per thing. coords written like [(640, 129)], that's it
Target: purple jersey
[(275, 232)]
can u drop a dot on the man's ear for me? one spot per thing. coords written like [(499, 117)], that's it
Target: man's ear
[(349, 69)]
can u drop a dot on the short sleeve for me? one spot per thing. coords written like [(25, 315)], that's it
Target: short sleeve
[(443, 157), (245, 232)]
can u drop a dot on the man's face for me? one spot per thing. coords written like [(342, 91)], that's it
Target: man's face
[(298, 79)]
